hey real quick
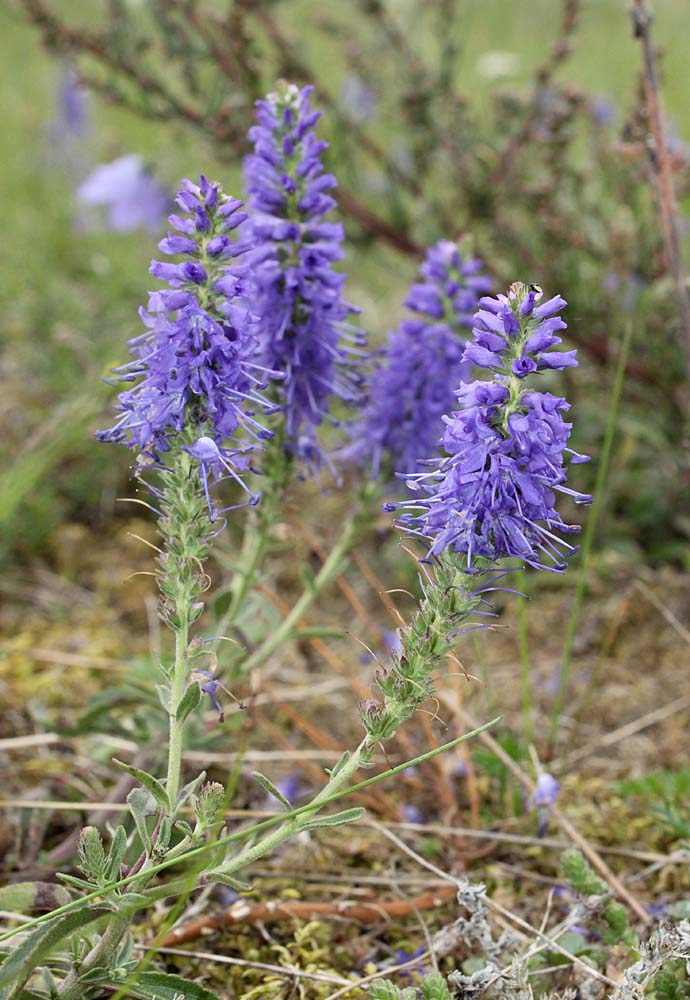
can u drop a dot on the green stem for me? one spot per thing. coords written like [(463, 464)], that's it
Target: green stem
[(524, 660), (176, 693), (328, 572), (244, 833), (588, 538), (72, 987), (296, 823)]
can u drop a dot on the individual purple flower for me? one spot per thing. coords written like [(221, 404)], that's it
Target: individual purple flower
[(195, 366), (412, 814), (494, 495), (304, 332), (422, 365), (544, 799), (132, 197)]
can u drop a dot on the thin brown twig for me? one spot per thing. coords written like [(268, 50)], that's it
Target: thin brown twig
[(661, 166)]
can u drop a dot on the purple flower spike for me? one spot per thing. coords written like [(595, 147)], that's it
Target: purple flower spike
[(195, 367), (494, 495), (422, 365), (304, 332)]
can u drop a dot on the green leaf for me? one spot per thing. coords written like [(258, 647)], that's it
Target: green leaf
[(335, 819), (164, 696), (235, 883), (268, 785), (152, 784), (23, 897), (340, 765), (116, 854), (76, 883), (138, 801), (19, 965), (434, 987), (163, 986), (384, 989), (189, 701)]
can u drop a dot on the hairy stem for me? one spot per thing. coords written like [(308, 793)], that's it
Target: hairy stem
[(99, 956), (295, 824), (177, 726)]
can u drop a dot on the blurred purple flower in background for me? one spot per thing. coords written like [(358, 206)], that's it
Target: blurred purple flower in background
[(422, 365), (68, 133), (358, 100), (72, 117), (131, 196), (602, 110), (544, 799)]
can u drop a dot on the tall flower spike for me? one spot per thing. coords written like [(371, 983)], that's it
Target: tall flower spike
[(304, 332), (494, 495), (422, 365), (195, 365)]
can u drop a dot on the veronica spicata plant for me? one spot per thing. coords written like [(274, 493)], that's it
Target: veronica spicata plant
[(194, 411)]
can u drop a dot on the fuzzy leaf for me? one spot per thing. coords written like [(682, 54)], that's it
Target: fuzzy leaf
[(18, 966), (163, 986), (23, 897), (116, 854), (76, 883), (384, 989), (435, 987), (340, 765), (268, 786), (138, 801), (233, 883), (152, 784), (189, 701), (163, 692), (336, 819)]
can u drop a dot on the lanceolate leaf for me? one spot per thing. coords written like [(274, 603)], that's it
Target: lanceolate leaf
[(271, 789), (335, 819), (19, 965), (116, 854), (167, 987), (148, 781), (190, 700)]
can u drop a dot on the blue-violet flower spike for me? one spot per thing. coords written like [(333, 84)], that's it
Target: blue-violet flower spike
[(494, 494), (195, 367), (304, 332), (422, 365)]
